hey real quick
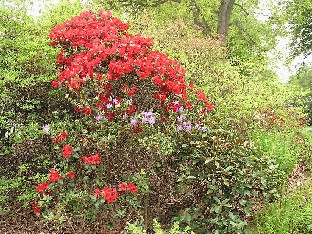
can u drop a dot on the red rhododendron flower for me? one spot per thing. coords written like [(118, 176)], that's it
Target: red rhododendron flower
[(123, 186), (131, 91), (132, 188), (93, 159), (87, 110), (54, 176), (41, 187), (36, 207), (71, 175), (110, 194), (209, 107), (97, 192), (124, 87), (63, 134), (131, 110), (55, 84), (201, 95), (60, 137), (137, 129), (67, 151), (188, 105)]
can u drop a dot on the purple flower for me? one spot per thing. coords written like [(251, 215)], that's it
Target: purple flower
[(146, 114), (179, 128), (133, 122), (204, 129), (152, 120), (46, 128), (181, 109), (99, 117), (186, 123), (115, 101), (180, 118), (188, 127), (175, 102), (197, 126), (109, 105), (125, 116), (144, 119)]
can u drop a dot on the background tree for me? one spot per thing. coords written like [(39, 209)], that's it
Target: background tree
[(300, 19), (303, 78)]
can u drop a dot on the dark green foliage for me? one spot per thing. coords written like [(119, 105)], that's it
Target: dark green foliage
[(224, 178), (303, 78)]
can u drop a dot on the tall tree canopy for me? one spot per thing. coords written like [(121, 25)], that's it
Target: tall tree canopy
[(300, 19)]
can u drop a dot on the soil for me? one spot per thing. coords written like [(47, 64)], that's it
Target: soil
[(26, 222)]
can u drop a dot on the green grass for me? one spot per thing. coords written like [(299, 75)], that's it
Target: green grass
[(278, 146), (291, 214)]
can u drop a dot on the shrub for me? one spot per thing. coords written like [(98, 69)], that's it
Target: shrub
[(142, 125)]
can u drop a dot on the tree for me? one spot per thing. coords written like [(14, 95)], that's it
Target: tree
[(303, 78), (300, 19), (224, 13)]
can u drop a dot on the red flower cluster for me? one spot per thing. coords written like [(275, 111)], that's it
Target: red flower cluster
[(131, 187), (101, 44), (36, 208), (41, 187), (71, 175), (67, 151), (54, 176), (93, 159), (60, 137), (111, 194)]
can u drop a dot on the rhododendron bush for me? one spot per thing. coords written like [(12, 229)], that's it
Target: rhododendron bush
[(125, 93), (145, 141)]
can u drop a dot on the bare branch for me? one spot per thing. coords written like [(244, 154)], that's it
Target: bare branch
[(242, 8)]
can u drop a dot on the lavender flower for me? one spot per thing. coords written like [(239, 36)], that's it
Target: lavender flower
[(125, 116), (115, 101), (99, 117), (179, 128), (147, 114), (109, 105), (134, 122), (188, 127), (204, 129), (46, 128), (181, 109), (144, 119), (180, 118), (175, 102), (152, 120)]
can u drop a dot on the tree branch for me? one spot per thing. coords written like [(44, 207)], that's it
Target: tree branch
[(200, 21), (242, 8)]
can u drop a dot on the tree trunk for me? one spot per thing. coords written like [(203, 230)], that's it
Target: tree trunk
[(225, 12)]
